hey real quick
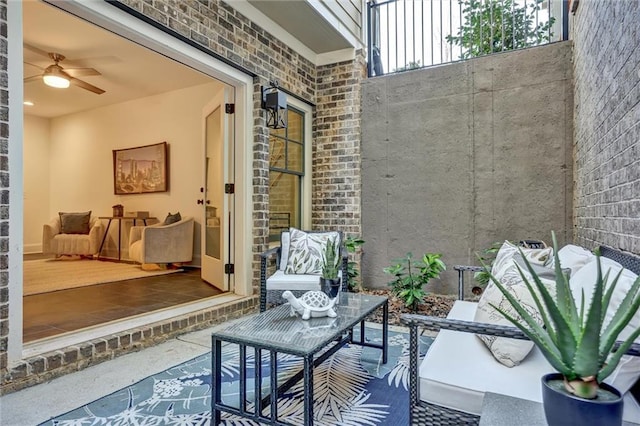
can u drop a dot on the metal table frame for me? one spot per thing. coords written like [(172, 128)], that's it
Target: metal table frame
[(340, 337)]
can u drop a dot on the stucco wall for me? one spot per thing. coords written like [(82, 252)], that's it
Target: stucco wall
[(459, 156), (607, 123)]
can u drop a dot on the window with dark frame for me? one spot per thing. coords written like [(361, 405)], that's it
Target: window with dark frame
[(286, 172)]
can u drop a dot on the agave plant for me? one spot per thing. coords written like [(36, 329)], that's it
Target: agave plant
[(577, 343)]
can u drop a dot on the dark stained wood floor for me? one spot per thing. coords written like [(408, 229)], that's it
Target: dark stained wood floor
[(49, 314)]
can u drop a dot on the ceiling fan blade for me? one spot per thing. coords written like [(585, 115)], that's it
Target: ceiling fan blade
[(35, 49), (34, 65), (87, 86), (81, 72), (33, 78)]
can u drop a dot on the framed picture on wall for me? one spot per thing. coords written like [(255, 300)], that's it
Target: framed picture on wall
[(141, 169)]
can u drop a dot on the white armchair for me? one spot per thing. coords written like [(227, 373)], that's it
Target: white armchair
[(70, 244), (162, 243)]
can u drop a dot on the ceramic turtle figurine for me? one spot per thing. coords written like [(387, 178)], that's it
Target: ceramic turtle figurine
[(311, 304)]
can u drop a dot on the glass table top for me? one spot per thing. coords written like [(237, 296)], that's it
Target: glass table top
[(276, 329)]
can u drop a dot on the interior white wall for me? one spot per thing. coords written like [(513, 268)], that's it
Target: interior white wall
[(35, 180), (81, 159)]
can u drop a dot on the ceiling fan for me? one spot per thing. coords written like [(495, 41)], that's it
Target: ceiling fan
[(56, 76)]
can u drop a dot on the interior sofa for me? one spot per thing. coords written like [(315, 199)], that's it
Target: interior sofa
[(272, 286), (448, 385)]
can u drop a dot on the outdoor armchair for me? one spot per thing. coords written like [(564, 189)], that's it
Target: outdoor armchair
[(275, 261)]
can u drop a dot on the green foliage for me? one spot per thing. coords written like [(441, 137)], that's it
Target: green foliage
[(412, 275), (412, 65), (352, 244), (486, 258), (330, 261), (576, 342), (500, 25)]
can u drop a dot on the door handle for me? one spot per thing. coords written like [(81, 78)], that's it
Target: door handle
[(200, 201), (208, 202)]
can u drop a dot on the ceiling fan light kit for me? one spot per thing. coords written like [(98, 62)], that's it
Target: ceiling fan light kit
[(61, 78), (56, 78)]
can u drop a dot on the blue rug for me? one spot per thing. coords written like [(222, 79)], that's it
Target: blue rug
[(352, 387)]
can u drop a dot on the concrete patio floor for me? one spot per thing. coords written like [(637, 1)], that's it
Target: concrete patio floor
[(39, 403)]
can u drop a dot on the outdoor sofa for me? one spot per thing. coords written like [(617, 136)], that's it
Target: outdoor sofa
[(447, 387)]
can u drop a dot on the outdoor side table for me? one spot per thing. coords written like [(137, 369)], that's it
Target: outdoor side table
[(276, 331)]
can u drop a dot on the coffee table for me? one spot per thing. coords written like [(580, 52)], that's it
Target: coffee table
[(276, 331)]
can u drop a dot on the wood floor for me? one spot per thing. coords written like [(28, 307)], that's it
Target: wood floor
[(49, 314)]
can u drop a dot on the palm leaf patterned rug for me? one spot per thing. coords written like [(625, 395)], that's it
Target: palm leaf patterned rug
[(352, 387)]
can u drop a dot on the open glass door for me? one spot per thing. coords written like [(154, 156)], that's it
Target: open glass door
[(217, 232)]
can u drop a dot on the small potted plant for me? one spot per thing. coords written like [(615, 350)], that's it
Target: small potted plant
[(329, 280), (411, 276), (578, 344)]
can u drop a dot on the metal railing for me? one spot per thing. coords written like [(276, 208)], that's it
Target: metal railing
[(409, 34)]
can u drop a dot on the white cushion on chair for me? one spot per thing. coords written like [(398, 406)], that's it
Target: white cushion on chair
[(458, 370), (281, 281), (284, 249)]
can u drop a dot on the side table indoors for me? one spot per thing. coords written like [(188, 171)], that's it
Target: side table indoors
[(119, 219)]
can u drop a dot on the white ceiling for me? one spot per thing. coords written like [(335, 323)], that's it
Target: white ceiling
[(302, 21), (128, 70)]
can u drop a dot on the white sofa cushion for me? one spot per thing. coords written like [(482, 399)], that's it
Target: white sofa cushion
[(628, 371), (574, 257), (457, 370), (631, 410)]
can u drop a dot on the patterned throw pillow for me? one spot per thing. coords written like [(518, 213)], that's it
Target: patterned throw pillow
[(508, 251), (306, 251), (509, 352), (75, 223)]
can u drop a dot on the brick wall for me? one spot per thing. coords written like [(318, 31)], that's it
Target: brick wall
[(4, 189), (220, 28), (607, 124), (333, 88), (44, 367), (336, 151)]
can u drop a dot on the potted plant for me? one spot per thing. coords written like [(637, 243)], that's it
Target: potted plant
[(329, 280), (412, 276), (578, 344)]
